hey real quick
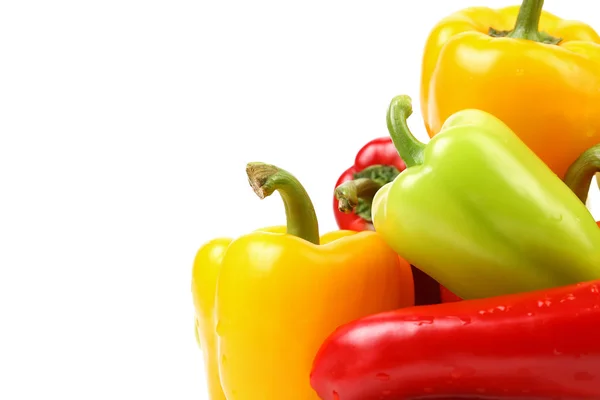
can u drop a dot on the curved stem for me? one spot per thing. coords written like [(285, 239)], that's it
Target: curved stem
[(409, 148), (580, 173), (349, 192), (299, 210)]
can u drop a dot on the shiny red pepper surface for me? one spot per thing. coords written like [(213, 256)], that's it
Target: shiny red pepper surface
[(534, 345)]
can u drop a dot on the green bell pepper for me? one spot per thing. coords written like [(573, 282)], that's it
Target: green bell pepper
[(481, 213)]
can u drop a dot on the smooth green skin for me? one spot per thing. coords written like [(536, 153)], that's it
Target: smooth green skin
[(484, 216)]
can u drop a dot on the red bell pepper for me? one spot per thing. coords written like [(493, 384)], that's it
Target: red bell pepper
[(376, 164), (377, 161), (535, 345)]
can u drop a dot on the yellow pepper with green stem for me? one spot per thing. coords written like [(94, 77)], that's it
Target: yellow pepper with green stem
[(536, 72), (267, 300)]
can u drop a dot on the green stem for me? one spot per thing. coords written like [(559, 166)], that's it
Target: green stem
[(299, 210), (409, 148), (349, 192), (528, 24), (580, 173), (528, 20)]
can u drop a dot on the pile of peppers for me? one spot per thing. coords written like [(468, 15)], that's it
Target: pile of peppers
[(464, 267)]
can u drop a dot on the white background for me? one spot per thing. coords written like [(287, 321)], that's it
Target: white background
[(125, 129)]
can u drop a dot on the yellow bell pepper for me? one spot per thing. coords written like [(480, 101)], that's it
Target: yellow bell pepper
[(204, 284), (281, 291), (536, 72)]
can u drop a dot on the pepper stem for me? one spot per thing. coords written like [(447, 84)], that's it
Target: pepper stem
[(580, 173), (528, 20), (357, 195), (349, 193), (408, 147), (299, 210), (527, 24)]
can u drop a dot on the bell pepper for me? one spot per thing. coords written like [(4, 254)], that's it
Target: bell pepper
[(527, 346), (480, 213), (268, 299), (205, 273), (376, 164), (536, 72)]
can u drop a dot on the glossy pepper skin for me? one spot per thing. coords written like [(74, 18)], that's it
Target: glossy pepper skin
[(546, 92), (479, 212), (376, 164), (205, 273), (379, 162), (527, 346), (281, 290)]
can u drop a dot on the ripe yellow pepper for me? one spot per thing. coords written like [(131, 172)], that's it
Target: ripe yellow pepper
[(266, 301), (536, 72), (205, 273)]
